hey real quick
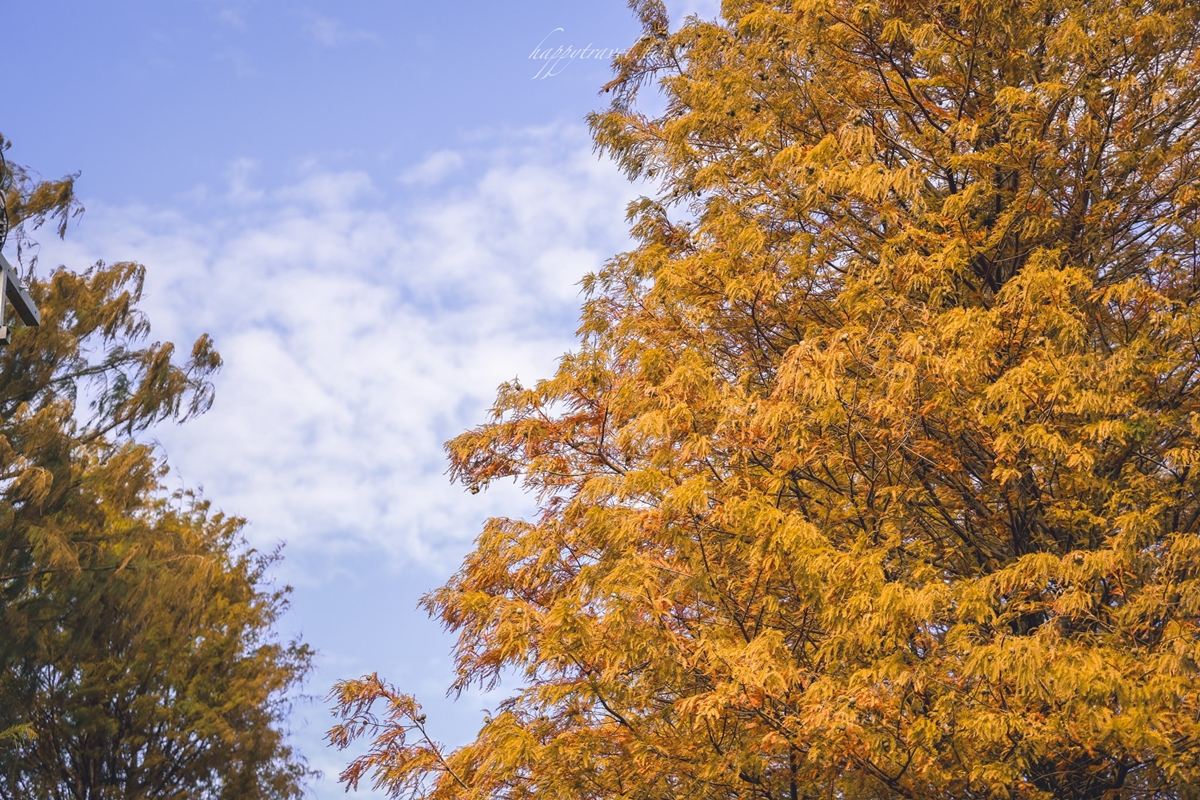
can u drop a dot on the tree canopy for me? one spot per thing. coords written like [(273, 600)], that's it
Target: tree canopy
[(876, 471), (137, 653)]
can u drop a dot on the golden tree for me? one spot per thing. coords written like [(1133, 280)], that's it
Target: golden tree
[(138, 657), (876, 471)]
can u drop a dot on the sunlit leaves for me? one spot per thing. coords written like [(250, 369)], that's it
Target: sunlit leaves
[(137, 657), (874, 474)]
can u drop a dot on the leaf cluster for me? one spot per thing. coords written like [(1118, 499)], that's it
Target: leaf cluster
[(137, 657), (876, 471)]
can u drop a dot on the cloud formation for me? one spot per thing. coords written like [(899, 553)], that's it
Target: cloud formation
[(434, 168), (361, 331), (331, 32)]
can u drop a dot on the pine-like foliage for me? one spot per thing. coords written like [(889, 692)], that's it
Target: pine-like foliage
[(137, 656), (876, 471)]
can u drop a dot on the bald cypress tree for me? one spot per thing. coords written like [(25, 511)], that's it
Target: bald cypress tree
[(137, 652), (876, 472)]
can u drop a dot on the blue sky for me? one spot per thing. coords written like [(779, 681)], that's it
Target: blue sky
[(380, 213)]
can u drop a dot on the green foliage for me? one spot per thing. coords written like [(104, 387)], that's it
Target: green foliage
[(137, 657), (877, 473)]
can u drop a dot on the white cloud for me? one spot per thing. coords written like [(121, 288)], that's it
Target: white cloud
[(233, 18), (332, 33), (238, 61), (238, 177), (359, 334), (434, 168)]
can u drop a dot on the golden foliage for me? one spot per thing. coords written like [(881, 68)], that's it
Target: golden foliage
[(875, 474), (137, 657)]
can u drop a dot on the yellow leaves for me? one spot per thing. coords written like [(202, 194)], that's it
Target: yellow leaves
[(964, 203), (33, 485), (896, 31), (690, 497), (818, 156), (874, 473)]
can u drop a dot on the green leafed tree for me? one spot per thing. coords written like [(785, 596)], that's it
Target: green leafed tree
[(876, 472), (137, 652)]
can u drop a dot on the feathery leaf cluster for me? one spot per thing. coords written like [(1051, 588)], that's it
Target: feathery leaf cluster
[(137, 657), (877, 470)]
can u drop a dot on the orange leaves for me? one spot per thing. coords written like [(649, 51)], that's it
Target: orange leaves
[(399, 766), (874, 473)]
